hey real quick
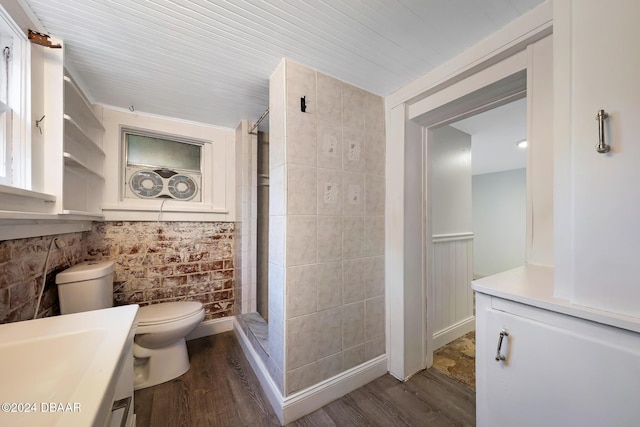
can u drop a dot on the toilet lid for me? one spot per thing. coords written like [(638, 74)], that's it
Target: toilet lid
[(166, 312)]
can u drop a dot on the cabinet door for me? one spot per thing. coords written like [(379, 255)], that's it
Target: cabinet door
[(583, 376), (606, 187)]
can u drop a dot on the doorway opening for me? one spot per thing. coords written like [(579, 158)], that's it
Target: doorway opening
[(446, 126), (478, 221)]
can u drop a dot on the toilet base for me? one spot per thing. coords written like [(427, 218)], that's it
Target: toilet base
[(156, 366)]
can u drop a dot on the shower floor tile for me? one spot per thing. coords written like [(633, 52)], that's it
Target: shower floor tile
[(259, 328)]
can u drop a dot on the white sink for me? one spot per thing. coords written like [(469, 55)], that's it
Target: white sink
[(72, 361)]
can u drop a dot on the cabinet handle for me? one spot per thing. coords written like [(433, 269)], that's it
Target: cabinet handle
[(500, 356), (602, 147)]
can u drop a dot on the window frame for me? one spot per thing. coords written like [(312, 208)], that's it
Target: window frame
[(159, 135), (17, 117), (206, 173)]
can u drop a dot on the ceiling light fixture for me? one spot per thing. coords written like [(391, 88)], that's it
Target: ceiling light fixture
[(522, 144)]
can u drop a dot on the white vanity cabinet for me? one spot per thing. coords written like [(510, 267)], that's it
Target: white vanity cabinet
[(122, 403), (563, 365)]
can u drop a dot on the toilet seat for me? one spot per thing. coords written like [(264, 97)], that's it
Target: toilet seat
[(156, 314)]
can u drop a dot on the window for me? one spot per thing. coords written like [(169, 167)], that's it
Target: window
[(160, 152), (14, 117), (161, 166)]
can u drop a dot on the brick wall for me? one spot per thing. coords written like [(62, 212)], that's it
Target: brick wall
[(169, 261), (155, 262), (21, 266)]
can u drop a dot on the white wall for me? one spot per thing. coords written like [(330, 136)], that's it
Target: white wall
[(499, 221), (449, 169), (540, 152), (450, 163)]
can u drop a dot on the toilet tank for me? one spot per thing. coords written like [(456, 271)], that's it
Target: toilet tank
[(86, 286)]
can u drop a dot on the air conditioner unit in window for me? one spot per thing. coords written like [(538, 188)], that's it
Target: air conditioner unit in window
[(147, 183)]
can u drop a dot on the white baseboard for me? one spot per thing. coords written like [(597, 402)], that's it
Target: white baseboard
[(211, 327), (453, 332), (304, 402)]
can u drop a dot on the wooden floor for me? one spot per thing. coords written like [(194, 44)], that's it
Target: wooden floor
[(220, 389)]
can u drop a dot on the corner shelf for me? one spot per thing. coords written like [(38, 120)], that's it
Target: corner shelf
[(83, 156)]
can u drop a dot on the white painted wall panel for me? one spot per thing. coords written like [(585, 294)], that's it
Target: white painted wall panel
[(450, 172), (450, 201), (453, 297), (606, 211), (540, 152), (499, 221)]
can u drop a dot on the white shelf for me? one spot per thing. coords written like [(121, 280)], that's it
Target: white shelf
[(72, 142), (74, 130), (71, 160), (77, 97), (17, 215), (19, 192)]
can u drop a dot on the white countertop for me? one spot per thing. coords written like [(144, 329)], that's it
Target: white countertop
[(62, 370), (533, 285)]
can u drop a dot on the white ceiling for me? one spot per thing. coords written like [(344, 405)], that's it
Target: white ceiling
[(210, 61), (494, 135)]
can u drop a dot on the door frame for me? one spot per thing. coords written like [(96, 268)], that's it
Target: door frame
[(408, 327), (500, 92)]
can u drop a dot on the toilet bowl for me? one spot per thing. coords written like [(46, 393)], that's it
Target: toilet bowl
[(159, 347)]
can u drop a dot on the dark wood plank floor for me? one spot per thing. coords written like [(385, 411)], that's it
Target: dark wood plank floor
[(220, 389)]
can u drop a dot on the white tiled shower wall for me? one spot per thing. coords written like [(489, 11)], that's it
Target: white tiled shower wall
[(326, 284)]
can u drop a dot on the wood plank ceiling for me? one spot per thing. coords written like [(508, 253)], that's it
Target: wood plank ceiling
[(210, 61)]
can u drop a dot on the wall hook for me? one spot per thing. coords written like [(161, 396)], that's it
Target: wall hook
[(303, 104), (38, 124), (132, 109)]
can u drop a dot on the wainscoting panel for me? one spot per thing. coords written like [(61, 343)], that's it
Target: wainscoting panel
[(451, 281)]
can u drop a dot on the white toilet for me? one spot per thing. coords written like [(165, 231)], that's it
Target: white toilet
[(159, 348)]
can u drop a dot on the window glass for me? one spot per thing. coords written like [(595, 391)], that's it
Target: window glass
[(10, 99), (161, 152)]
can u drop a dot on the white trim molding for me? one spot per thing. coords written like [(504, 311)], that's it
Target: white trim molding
[(512, 38), (315, 397), (304, 402), (453, 332)]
